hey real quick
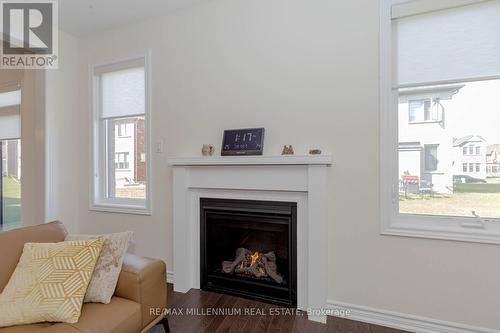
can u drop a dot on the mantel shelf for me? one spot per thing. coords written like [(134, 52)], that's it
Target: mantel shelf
[(251, 160)]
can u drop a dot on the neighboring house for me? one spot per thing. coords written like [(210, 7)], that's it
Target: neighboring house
[(470, 156), (11, 158), (130, 159), (425, 146), (493, 160)]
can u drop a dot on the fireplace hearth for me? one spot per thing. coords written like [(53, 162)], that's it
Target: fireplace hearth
[(249, 248)]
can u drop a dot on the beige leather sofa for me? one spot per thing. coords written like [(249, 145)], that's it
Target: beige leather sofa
[(141, 286)]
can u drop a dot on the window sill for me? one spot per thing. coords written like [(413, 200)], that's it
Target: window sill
[(121, 208), (488, 235), (425, 122)]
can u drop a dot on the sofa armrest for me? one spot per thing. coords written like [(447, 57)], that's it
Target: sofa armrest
[(143, 280)]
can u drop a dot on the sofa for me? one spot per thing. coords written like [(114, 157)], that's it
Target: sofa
[(141, 287)]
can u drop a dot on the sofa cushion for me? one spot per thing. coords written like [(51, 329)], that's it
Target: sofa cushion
[(49, 283), (119, 316), (12, 243), (108, 267), (40, 328)]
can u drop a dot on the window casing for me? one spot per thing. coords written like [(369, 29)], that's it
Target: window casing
[(121, 137), (416, 225)]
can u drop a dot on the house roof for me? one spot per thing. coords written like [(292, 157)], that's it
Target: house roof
[(491, 148), (465, 139)]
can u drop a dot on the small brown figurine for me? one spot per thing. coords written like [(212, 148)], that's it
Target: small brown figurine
[(315, 151), (287, 150)]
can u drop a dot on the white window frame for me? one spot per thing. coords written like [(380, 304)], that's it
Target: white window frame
[(393, 223), (98, 201)]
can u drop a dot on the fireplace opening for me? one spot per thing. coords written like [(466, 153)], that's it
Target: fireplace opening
[(248, 248)]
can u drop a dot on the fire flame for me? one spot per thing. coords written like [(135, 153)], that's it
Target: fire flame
[(254, 258)]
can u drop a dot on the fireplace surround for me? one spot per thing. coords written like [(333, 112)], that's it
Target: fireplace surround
[(248, 248), (296, 178)]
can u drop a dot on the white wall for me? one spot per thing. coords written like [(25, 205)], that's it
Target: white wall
[(308, 72), (62, 123)]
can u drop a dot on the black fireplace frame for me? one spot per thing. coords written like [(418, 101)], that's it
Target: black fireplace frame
[(280, 295)]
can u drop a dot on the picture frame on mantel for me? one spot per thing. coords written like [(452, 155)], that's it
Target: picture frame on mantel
[(243, 142)]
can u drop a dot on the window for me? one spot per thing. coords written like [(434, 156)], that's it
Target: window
[(10, 158), (423, 110), (121, 137), (431, 161), (121, 161), (121, 128), (440, 69)]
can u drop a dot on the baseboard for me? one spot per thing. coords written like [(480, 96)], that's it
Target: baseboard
[(403, 321), (170, 276)]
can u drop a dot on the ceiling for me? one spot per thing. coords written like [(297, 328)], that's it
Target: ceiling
[(83, 17)]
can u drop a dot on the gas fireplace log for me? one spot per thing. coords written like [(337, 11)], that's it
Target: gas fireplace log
[(271, 272), (241, 255), (253, 270), (270, 256), (258, 265)]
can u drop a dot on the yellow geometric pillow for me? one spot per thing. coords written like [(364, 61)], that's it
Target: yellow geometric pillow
[(49, 283)]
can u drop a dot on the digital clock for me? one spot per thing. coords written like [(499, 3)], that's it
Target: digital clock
[(249, 141)]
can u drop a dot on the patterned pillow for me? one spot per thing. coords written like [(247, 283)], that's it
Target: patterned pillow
[(49, 283), (108, 268)]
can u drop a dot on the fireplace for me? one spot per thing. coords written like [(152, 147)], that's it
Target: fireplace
[(249, 248)]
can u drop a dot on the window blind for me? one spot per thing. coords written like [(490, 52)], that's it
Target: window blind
[(414, 7), (123, 93), (10, 115), (457, 44)]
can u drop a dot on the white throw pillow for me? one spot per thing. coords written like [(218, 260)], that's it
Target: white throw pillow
[(107, 270)]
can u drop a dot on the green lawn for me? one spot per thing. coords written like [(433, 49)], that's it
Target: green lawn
[(11, 202), (457, 204)]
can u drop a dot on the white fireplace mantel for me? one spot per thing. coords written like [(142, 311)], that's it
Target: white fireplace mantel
[(300, 179), (252, 160)]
